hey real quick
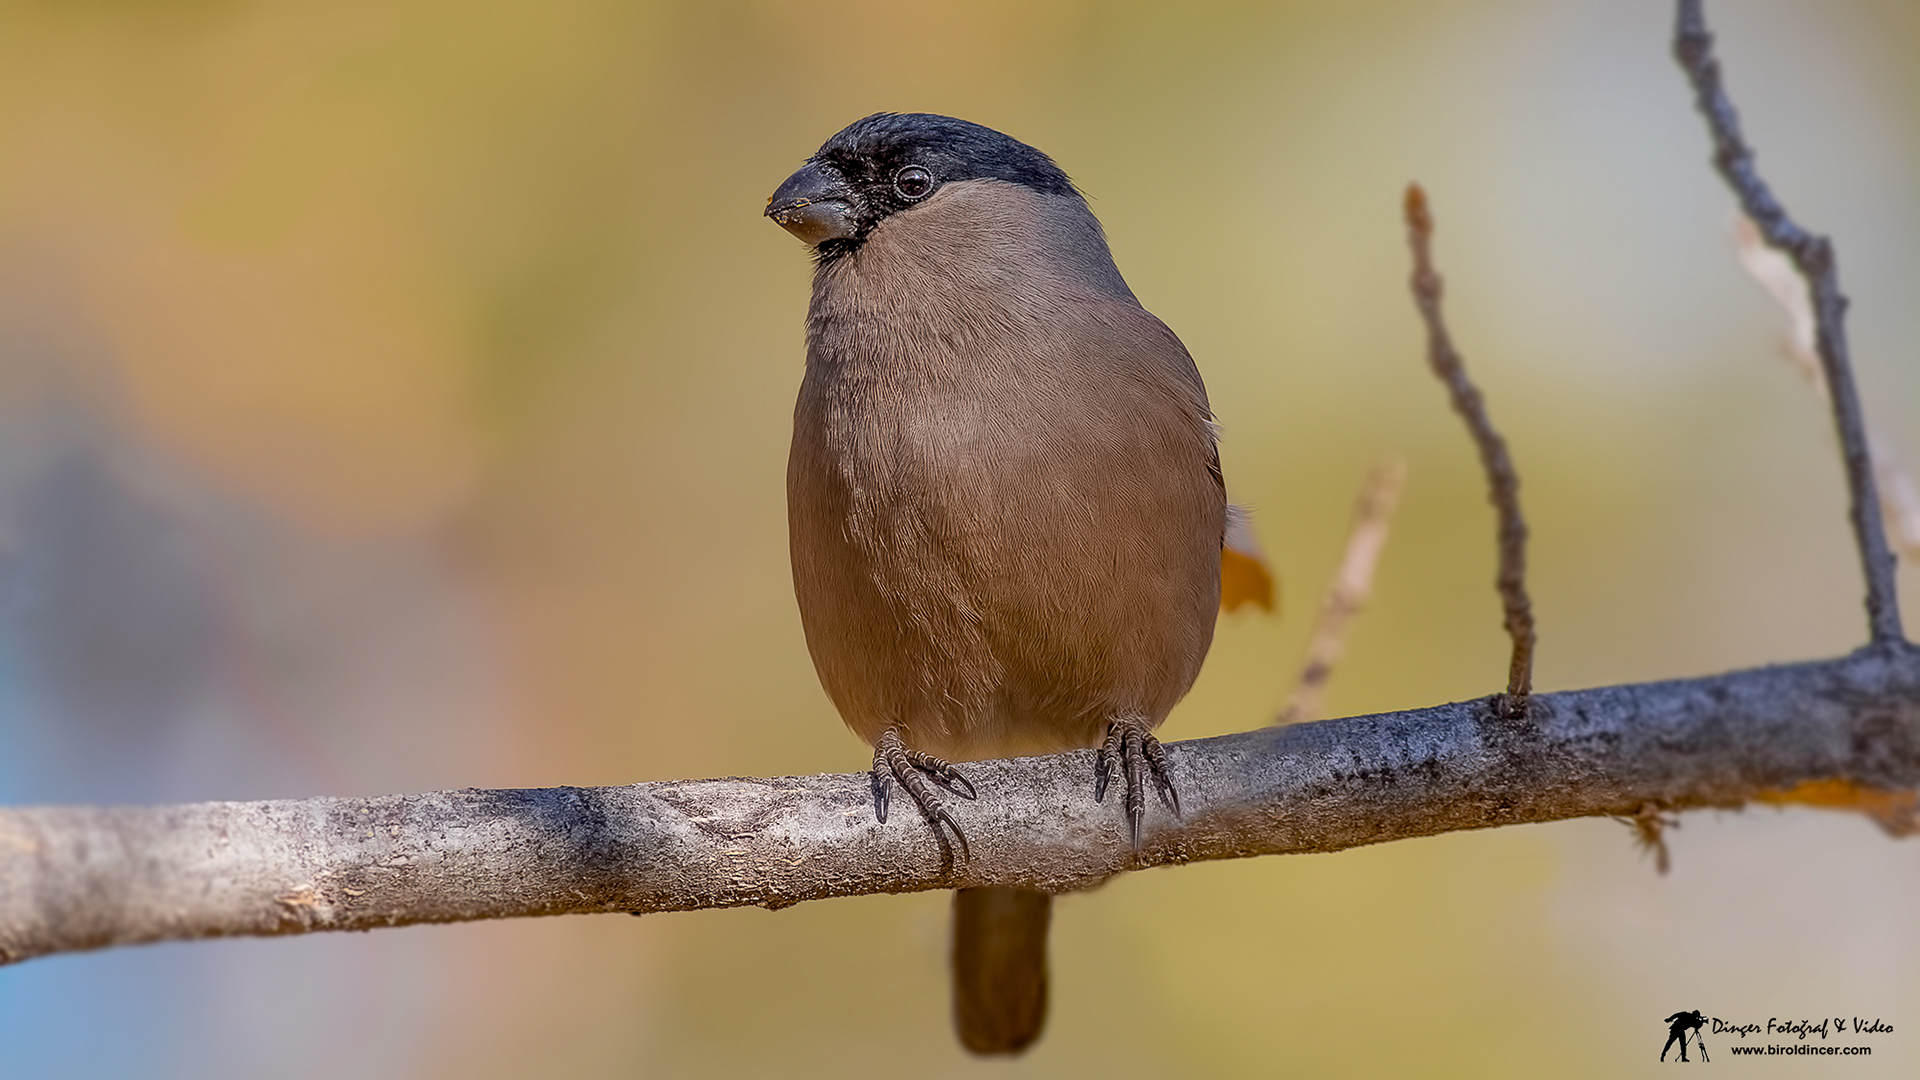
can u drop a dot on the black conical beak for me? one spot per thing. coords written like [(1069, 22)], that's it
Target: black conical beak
[(815, 204)]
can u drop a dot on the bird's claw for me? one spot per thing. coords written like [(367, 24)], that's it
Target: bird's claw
[(882, 784), (895, 760), (940, 771), (1131, 748)]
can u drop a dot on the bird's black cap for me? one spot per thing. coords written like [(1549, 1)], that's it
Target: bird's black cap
[(890, 161), (878, 146)]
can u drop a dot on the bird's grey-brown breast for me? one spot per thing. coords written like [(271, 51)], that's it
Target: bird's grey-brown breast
[(1004, 502)]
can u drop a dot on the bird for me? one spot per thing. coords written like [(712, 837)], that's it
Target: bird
[(1006, 512)]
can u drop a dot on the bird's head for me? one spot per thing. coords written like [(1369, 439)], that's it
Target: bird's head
[(890, 163)]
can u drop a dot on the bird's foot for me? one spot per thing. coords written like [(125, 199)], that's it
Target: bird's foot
[(1131, 748), (895, 760)]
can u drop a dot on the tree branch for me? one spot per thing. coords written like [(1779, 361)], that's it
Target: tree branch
[(1813, 257), (1842, 732)]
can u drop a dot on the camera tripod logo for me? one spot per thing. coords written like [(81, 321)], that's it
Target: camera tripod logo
[(1684, 1028)]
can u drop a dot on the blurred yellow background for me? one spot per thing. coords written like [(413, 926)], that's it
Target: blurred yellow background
[(395, 397)]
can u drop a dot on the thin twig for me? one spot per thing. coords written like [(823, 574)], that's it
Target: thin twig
[(1348, 592), (1813, 257), (1774, 271), (1502, 481)]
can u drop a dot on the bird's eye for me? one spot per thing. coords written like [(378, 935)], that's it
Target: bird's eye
[(913, 182)]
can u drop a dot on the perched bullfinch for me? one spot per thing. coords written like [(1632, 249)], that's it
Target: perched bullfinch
[(1004, 501)]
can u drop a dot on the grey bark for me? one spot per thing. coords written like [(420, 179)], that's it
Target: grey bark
[(89, 877)]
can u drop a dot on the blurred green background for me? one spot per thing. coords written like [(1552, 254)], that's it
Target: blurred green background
[(395, 397)]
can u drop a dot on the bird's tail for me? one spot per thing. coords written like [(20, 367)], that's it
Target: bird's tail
[(1000, 968)]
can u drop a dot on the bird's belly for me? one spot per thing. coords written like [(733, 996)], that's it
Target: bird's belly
[(957, 577)]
